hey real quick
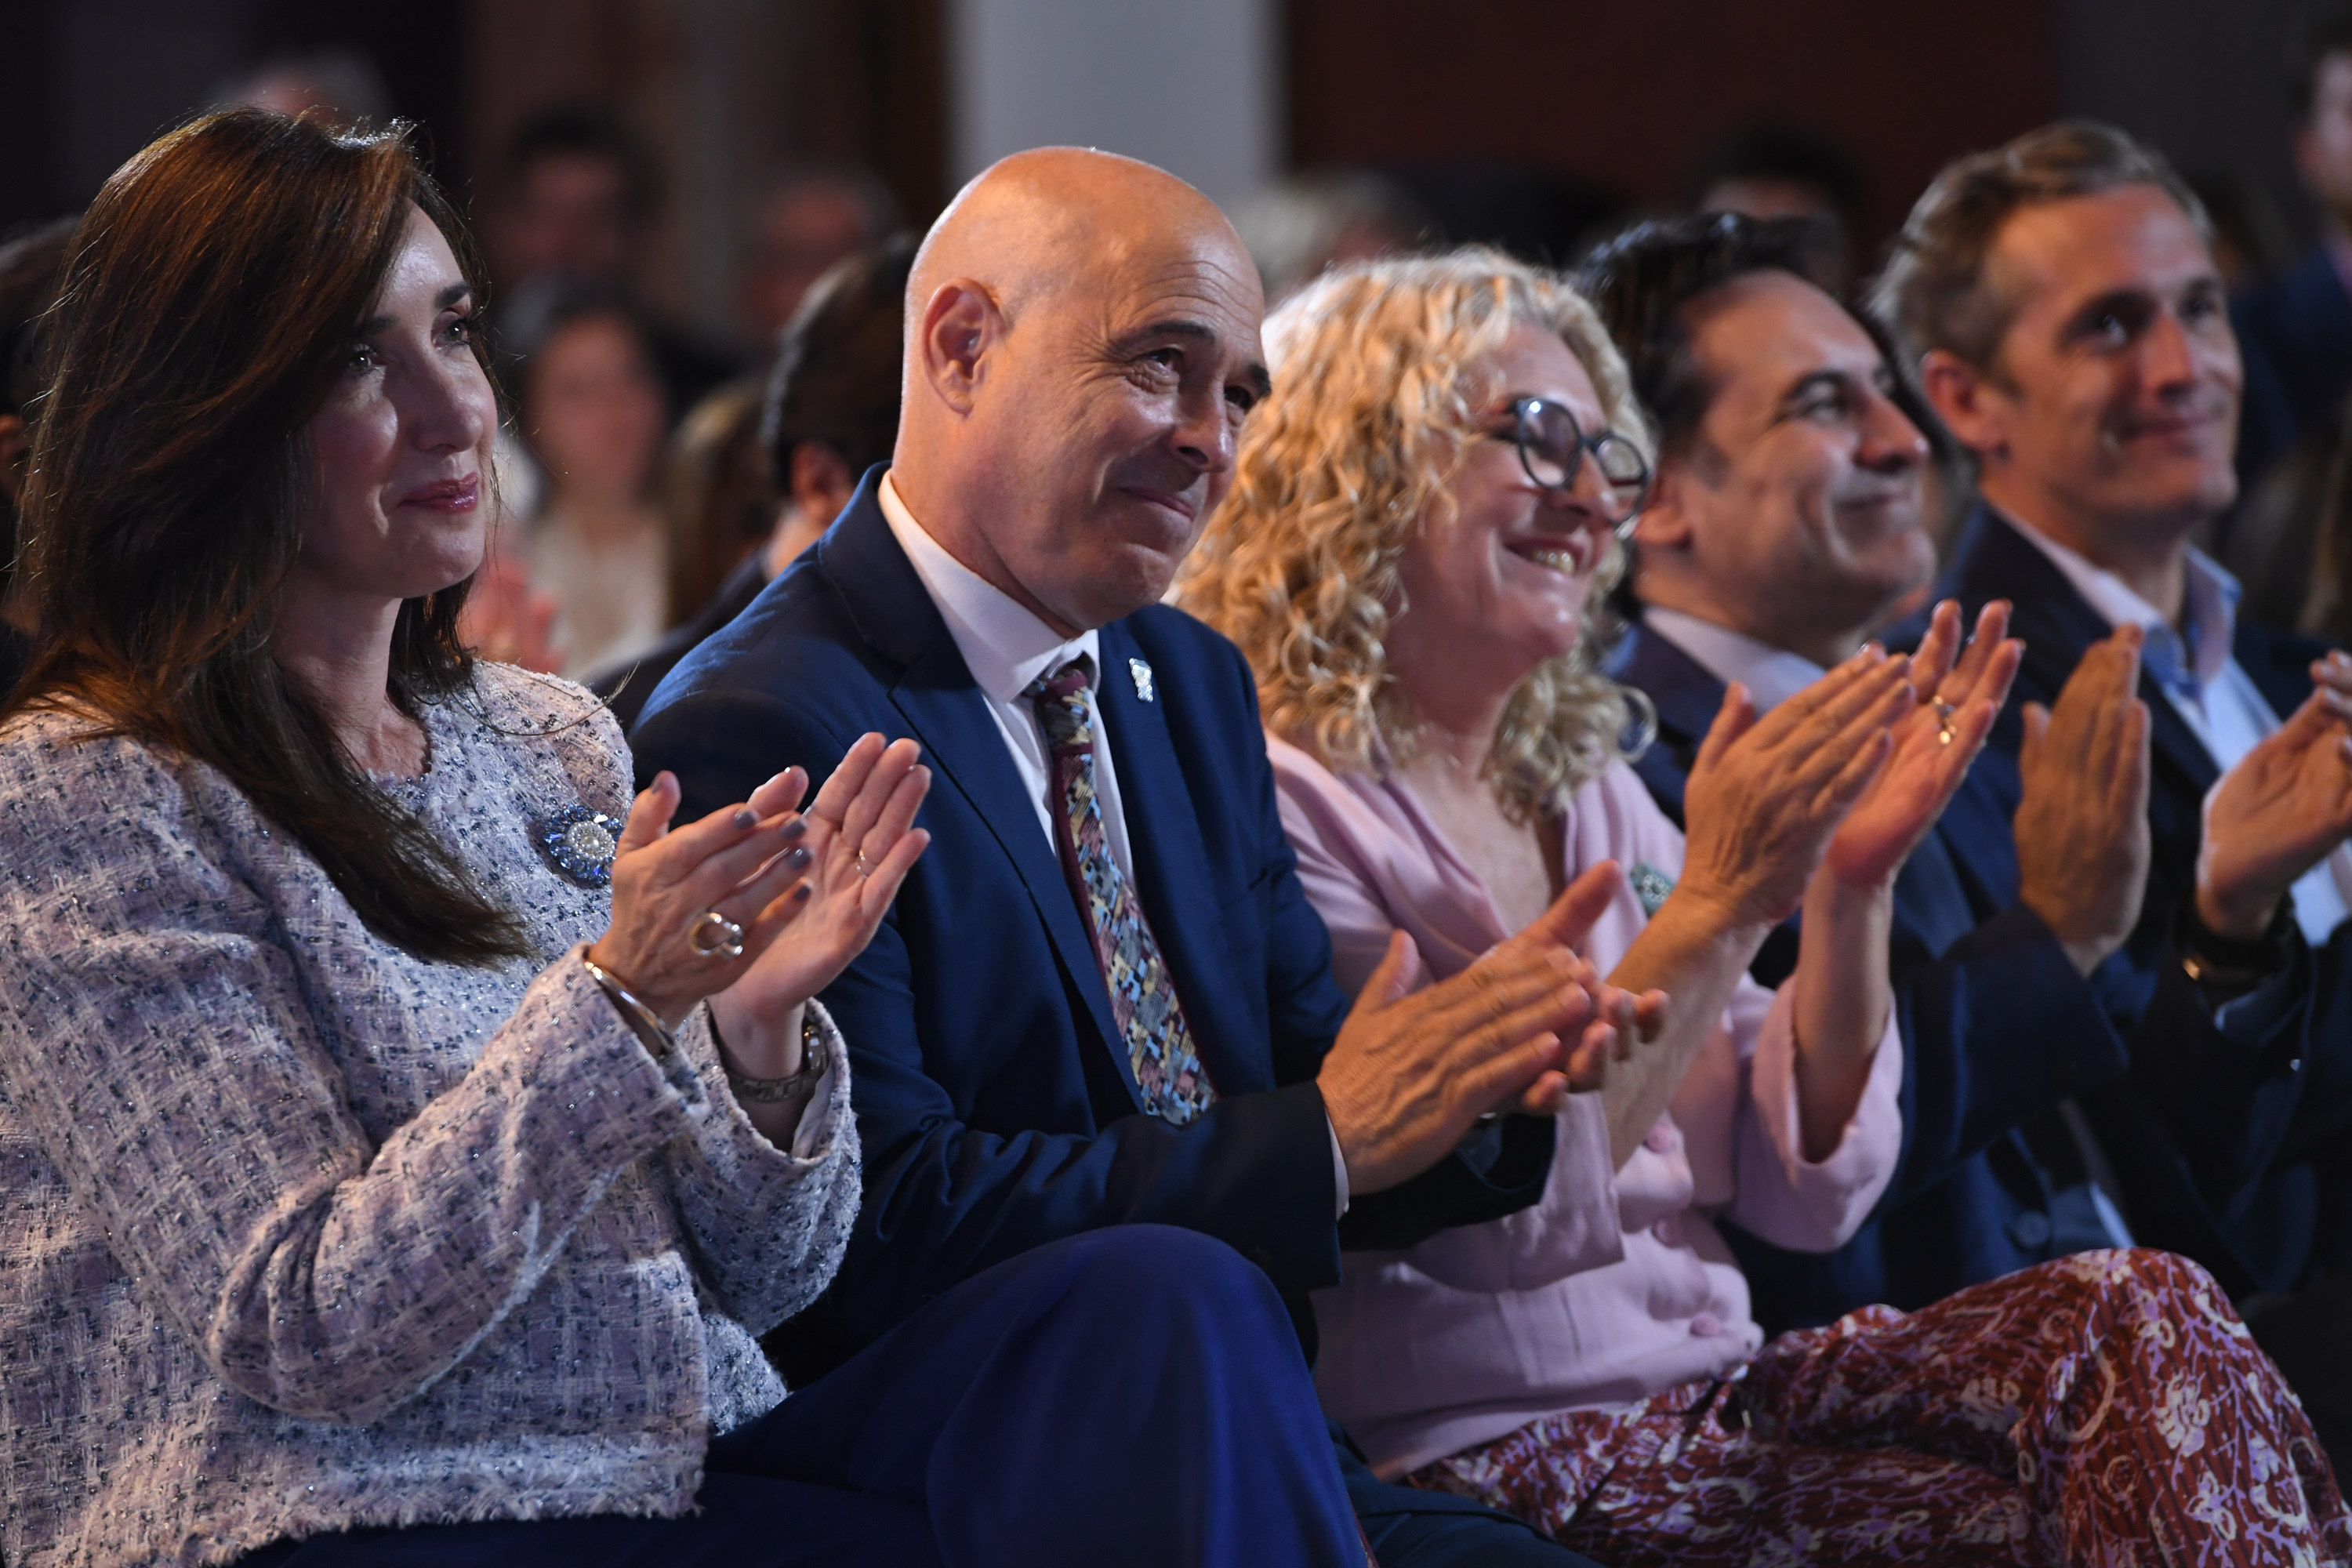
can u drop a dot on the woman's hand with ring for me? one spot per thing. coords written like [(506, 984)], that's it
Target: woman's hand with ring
[(739, 863), (1962, 692), (863, 841)]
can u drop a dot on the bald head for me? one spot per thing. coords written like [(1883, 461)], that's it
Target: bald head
[(1061, 215), (1082, 344)]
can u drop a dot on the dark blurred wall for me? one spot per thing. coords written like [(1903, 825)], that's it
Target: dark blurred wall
[(1627, 99), (2204, 80), (90, 83), (728, 91)]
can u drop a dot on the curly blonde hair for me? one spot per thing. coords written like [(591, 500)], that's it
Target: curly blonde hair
[(1376, 387)]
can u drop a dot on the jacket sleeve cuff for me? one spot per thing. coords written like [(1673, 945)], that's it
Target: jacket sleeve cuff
[(1815, 1206)]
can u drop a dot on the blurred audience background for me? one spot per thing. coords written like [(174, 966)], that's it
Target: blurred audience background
[(659, 183)]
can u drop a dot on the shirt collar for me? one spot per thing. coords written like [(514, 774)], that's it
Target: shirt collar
[(1773, 675), (2184, 660), (1004, 645)]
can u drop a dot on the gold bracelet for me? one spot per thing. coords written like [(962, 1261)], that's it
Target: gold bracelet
[(641, 1020)]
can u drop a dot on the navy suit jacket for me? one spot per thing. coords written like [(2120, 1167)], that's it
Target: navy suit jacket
[(1998, 1027), (997, 1111), (2230, 1143), (2294, 333)]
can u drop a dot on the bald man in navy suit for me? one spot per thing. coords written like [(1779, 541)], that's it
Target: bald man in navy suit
[(1101, 997)]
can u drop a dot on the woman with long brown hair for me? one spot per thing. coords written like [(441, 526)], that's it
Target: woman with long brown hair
[(403, 1150)]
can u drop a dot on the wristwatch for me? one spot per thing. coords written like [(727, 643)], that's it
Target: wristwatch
[(792, 1087), (2225, 964)]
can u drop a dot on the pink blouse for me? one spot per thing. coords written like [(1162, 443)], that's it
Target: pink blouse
[(1614, 1284)]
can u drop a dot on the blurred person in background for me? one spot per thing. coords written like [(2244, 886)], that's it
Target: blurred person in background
[(2060, 301), (830, 413), (591, 407), (339, 85), (2294, 339), (578, 193), (2294, 332), (1298, 227), (1781, 171), (808, 219), (718, 493), (29, 266)]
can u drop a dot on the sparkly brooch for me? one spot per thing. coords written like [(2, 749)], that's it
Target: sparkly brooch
[(581, 843), (1649, 885)]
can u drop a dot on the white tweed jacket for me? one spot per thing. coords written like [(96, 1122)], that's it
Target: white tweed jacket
[(304, 1233)]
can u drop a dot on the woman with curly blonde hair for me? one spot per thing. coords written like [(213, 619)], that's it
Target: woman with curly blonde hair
[(1424, 522)]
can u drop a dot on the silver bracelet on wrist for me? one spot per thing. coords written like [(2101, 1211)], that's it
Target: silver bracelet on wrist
[(792, 1087), (641, 1020)]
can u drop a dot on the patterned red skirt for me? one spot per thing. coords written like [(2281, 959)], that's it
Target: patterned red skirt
[(2106, 1409)]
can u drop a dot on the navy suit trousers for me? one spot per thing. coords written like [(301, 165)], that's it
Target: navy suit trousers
[(1131, 1395)]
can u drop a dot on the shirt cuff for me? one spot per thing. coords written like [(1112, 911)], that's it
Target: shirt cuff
[(1338, 1169)]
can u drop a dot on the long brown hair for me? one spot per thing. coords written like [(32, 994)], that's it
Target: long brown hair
[(210, 300)]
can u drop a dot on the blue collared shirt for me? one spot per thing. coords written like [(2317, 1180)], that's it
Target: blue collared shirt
[(2192, 666)]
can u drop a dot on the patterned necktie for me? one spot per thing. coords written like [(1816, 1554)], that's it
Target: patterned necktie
[(1142, 997)]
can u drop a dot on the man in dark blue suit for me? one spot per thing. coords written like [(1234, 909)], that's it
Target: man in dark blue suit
[(2060, 300), (1785, 522), (1101, 997)]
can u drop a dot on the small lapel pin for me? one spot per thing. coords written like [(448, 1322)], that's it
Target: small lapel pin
[(1142, 674), (1649, 885)]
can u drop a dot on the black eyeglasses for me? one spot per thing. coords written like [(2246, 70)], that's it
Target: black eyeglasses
[(1553, 447)]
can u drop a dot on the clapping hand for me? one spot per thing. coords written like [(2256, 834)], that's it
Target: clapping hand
[(1415, 1067), (2082, 831), (862, 842), (2278, 813), (1766, 795), (1933, 744)]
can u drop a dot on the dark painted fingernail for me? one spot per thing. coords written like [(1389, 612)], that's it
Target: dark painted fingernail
[(745, 818), (794, 828), (797, 857)]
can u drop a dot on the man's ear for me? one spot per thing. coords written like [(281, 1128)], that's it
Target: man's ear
[(1664, 524), (1965, 400), (958, 327)]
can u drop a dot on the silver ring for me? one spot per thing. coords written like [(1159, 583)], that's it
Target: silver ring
[(865, 867), (730, 935), (1944, 711)]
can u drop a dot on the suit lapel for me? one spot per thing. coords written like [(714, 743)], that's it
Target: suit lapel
[(947, 712), (1686, 697), (1996, 561), (1172, 862)]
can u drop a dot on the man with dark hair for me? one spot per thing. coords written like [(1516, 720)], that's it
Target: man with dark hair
[(2294, 332), (578, 193), (808, 218), (2059, 301), (831, 413), (1785, 524)]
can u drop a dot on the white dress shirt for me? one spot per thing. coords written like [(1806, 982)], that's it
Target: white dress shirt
[(1772, 676), (1006, 646), (2217, 699)]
